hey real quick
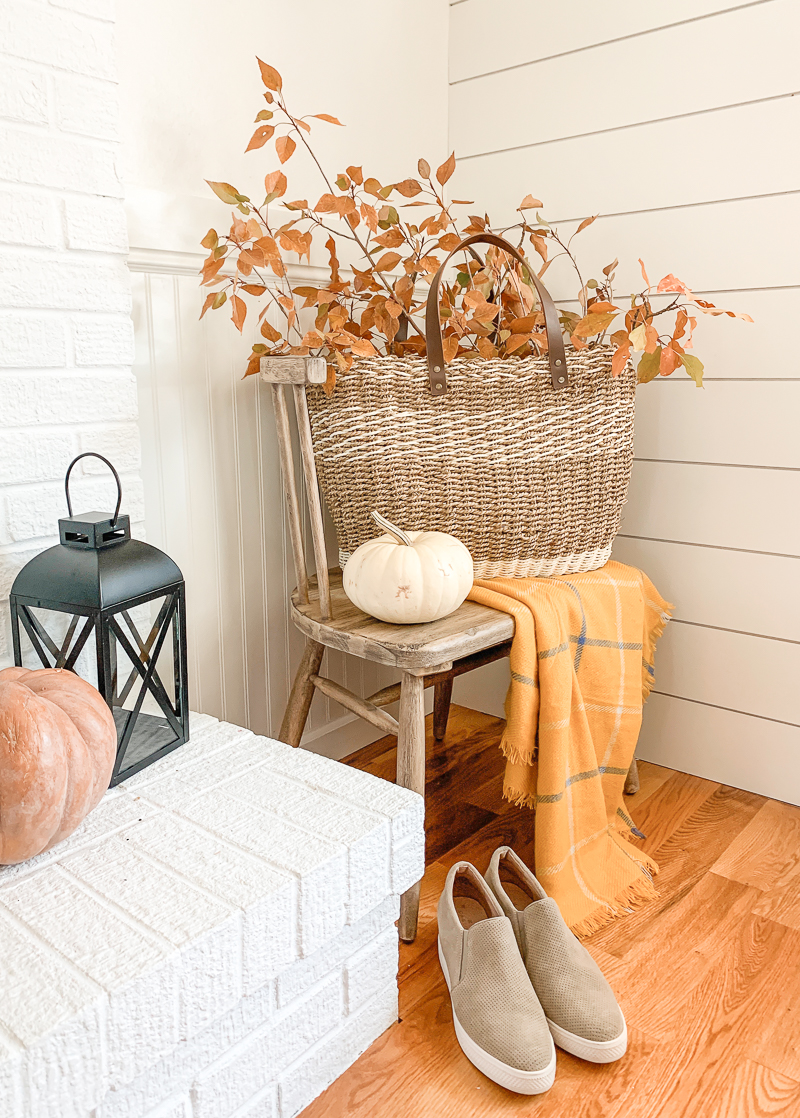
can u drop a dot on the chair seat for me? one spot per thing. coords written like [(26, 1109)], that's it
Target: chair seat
[(437, 644)]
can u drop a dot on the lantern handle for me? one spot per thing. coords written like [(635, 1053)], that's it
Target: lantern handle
[(93, 454)]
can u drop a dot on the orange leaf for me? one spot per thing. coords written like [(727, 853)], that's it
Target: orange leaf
[(446, 169), (594, 324), (449, 348), (601, 306), (270, 76), (326, 116), (672, 283), (275, 183), (448, 242), (363, 347), (372, 186), (670, 360), (517, 341), (523, 325), (210, 269), (428, 264), (644, 274), (620, 358), (356, 174), (285, 147), (651, 338), (238, 312), (269, 332), (209, 299), (388, 261), (587, 221), (408, 188), (530, 203), (260, 137), (424, 168), (392, 238), (540, 244), (370, 215), (210, 240)]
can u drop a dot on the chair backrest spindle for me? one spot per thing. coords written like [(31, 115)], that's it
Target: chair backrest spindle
[(299, 371)]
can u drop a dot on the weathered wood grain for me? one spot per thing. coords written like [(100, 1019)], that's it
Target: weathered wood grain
[(434, 646), (294, 370)]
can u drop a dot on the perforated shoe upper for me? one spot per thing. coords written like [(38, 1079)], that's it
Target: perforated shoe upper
[(570, 986)]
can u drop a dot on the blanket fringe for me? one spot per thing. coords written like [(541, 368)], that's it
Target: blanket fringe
[(666, 614), (639, 892), (519, 799)]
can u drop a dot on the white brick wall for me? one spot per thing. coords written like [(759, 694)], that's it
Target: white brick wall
[(217, 940), (65, 331)]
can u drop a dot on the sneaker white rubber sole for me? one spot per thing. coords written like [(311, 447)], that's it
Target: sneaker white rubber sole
[(595, 1051), (513, 1079)]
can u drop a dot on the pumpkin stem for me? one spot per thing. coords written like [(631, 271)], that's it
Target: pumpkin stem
[(398, 533)]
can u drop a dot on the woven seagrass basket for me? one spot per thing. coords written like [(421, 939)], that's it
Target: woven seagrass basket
[(527, 466)]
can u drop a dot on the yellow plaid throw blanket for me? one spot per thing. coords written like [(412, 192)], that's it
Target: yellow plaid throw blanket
[(581, 667)]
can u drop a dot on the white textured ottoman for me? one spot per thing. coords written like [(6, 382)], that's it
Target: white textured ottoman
[(216, 941)]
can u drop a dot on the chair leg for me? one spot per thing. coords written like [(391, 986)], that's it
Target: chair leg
[(299, 704), (632, 779), (411, 774), (442, 693)]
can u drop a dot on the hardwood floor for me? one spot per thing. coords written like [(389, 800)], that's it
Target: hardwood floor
[(708, 975)]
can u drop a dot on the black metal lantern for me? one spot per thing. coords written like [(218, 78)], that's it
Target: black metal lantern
[(96, 579)]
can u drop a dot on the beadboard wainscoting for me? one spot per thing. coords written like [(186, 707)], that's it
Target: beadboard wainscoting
[(582, 108), (214, 502)]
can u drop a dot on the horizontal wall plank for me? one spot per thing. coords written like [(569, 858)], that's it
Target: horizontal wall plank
[(731, 670), (751, 509), (736, 749), (725, 246), (486, 35), (728, 589), (748, 422), (632, 80), (604, 173), (731, 348)]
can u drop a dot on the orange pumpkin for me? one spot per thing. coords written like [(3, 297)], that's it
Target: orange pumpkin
[(58, 743)]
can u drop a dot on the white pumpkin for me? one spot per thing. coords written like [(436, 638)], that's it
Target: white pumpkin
[(408, 577)]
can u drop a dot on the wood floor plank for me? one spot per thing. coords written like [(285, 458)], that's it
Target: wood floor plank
[(489, 795), (716, 1028), (672, 956), (767, 852), (683, 859), (660, 816), (651, 777)]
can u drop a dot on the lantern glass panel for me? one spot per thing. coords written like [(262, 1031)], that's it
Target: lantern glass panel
[(142, 691)]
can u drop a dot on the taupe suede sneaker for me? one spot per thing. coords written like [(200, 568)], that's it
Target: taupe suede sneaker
[(581, 1009), (498, 1020)]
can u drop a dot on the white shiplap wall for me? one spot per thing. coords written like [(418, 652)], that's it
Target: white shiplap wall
[(678, 125)]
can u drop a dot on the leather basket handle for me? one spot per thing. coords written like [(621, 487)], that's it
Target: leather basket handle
[(437, 372)]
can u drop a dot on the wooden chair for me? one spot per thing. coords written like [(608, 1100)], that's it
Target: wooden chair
[(430, 655)]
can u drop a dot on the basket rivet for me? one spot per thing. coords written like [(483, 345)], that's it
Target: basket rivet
[(436, 369), (560, 380), (558, 361)]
